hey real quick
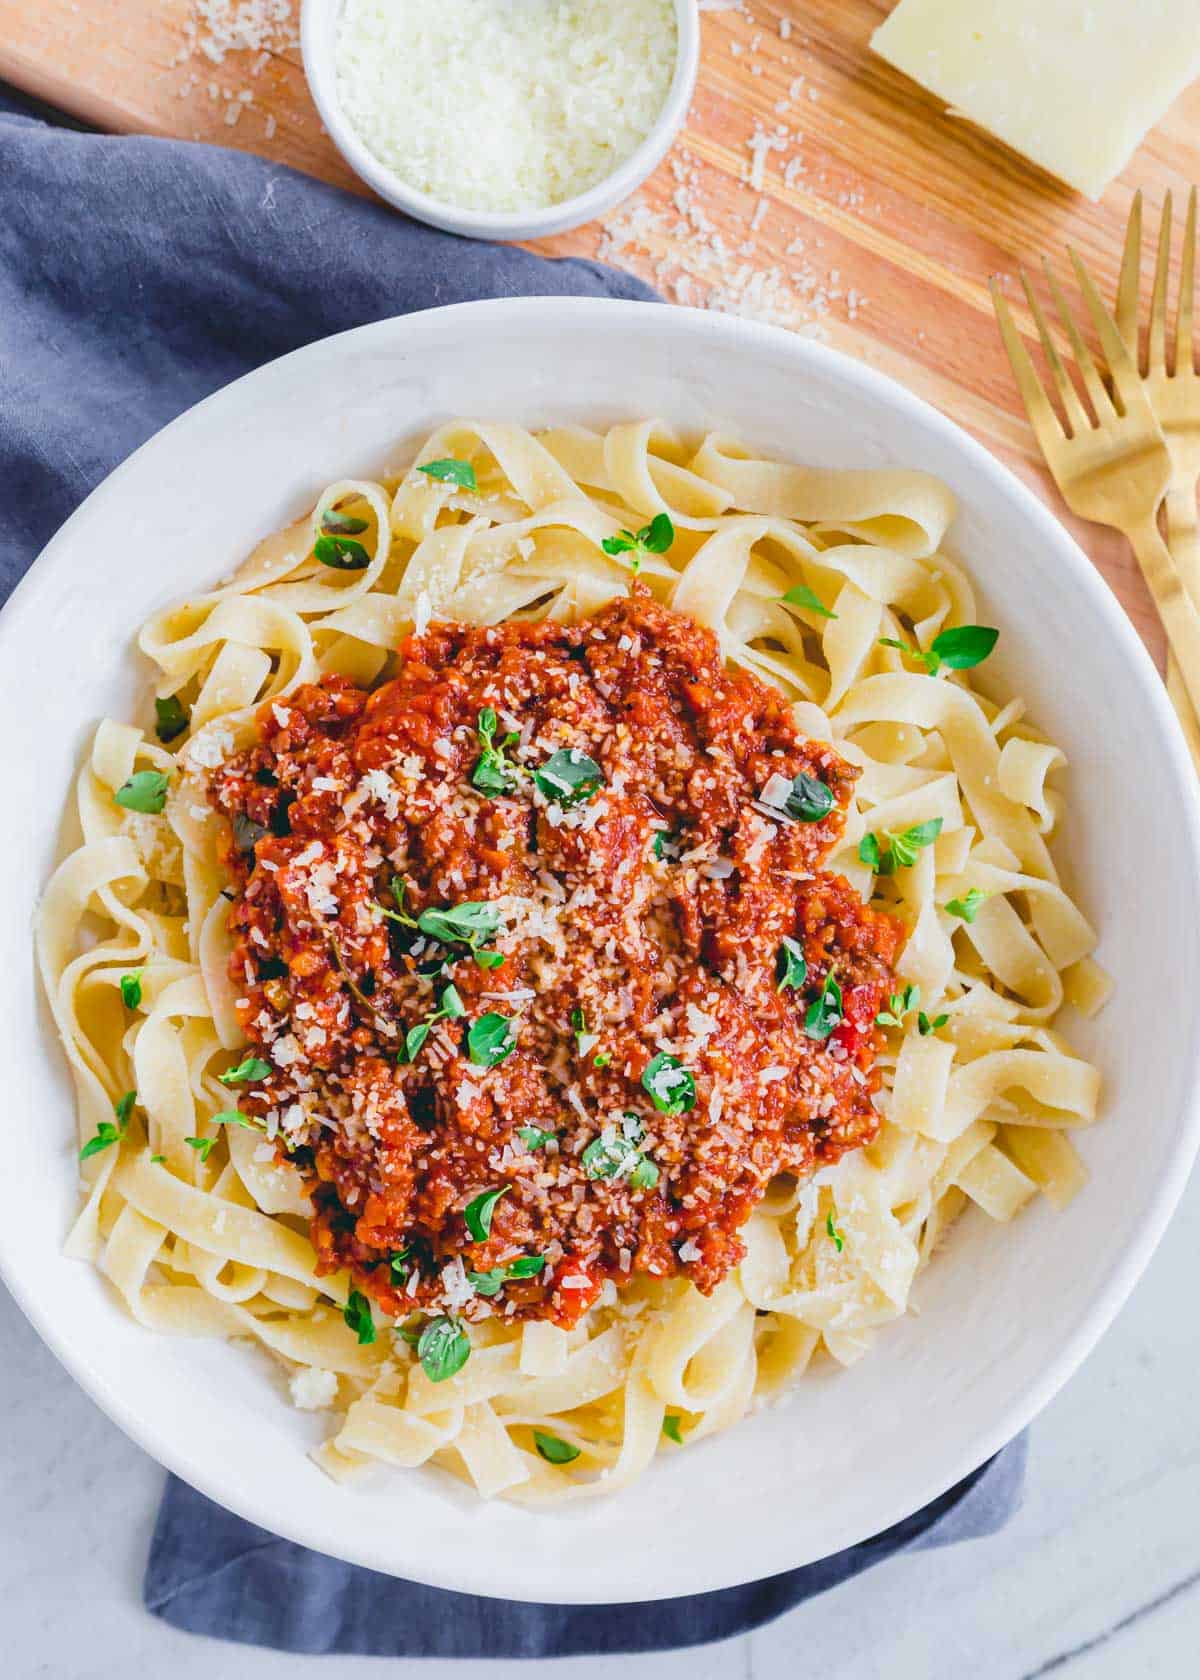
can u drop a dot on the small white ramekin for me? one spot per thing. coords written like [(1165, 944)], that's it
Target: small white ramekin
[(318, 31)]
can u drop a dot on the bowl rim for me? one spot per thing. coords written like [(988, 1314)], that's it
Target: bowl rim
[(496, 1577), (318, 24)]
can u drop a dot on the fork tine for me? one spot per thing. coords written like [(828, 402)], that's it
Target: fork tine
[(1129, 286), (1101, 400), (1157, 348), (1077, 416), (1045, 422), (1121, 366), (1185, 352)]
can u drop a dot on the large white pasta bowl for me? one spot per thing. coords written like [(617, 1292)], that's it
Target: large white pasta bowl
[(1007, 1313)]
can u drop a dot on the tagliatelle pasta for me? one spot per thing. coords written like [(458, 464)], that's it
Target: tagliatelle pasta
[(830, 587)]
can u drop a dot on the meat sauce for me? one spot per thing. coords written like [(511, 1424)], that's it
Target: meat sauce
[(617, 1053)]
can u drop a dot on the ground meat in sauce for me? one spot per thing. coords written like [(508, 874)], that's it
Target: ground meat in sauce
[(674, 953)]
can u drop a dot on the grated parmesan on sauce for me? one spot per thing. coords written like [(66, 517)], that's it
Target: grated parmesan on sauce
[(504, 104)]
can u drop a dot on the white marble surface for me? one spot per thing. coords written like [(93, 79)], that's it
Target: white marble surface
[(1098, 1578)]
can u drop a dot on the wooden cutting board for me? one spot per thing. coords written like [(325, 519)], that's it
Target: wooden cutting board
[(870, 219)]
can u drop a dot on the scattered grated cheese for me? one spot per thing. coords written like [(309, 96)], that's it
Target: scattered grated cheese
[(313, 1389), (494, 106)]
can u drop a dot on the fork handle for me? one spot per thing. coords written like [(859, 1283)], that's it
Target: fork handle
[(1183, 537), (1179, 616)]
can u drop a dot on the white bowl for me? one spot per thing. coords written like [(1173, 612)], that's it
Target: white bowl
[(318, 36), (1006, 1312)]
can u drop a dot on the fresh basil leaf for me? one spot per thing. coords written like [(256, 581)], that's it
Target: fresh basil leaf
[(488, 1284), (810, 800), (528, 1265), (606, 1157), (835, 1236), (170, 718), (601, 1059), (460, 924), (657, 537), (450, 1004), (488, 959), (156, 1159), (451, 471), (358, 1317), (123, 1108), (569, 776), (398, 1265), (670, 1428), (490, 1040), (868, 852), (803, 596), (342, 524), (790, 964), (414, 1040), (553, 1450), (663, 841), (250, 1071), (202, 1146), (964, 647), (644, 1176), (825, 1011), (235, 1117), (443, 1348), (131, 989), (343, 554), (106, 1134), (534, 1138), (623, 544), (145, 791), (478, 1213), (925, 1026), (910, 841), (899, 1005), (670, 1086), (967, 908)]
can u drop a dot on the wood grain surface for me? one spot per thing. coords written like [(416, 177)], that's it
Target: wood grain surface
[(813, 186)]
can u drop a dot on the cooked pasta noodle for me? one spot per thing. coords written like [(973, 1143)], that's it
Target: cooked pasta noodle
[(203, 1231)]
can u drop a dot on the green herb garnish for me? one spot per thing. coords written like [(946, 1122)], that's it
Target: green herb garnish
[(494, 774), (342, 524), (342, 553), (835, 1236), (791, 965), (235, 1117), (490, 1283), (145, 791), (925, 1026), (663, 838), (478, 1213), (414, 1041), (357, 1313), (671, 1087), (451, 471), (810, 800), (967, 908), (553, 1450), (825, 1011), (655, 538), (569, 776), (251, 1070), (131, 989), (443, 1348), (803, 596), (202, 1146), (901, 849), (170, 718), (900, 1004), (398, 1265), (670, 1428), (609, 1157), (157, 1159), (490, 1040), (106, 1132), (534, 1138), (602, 1058), (644, 1176), (957, 650)]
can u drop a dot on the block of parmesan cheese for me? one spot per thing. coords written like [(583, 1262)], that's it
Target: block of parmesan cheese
[(1072, 84)]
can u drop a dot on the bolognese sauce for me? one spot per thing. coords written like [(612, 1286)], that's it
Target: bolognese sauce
[(536, 943)]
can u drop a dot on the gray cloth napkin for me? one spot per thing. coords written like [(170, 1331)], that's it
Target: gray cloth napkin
[(137, 276)]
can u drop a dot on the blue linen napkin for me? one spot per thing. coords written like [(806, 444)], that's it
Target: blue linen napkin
[(137, 276)]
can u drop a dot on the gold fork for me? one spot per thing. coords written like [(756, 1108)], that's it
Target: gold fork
[(1113, 468)]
